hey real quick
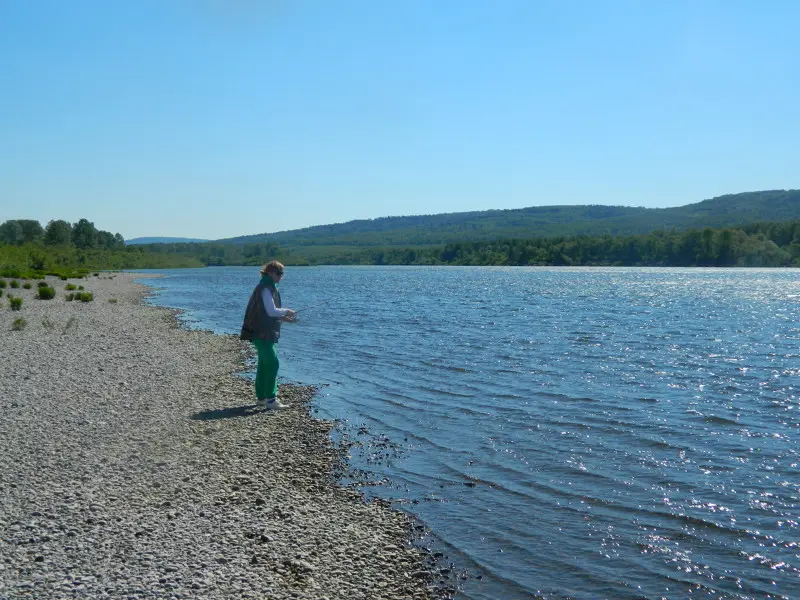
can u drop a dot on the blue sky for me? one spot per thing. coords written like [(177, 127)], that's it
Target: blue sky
[(217, 118)]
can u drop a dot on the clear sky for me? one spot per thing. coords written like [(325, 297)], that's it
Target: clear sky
[(218, 118)]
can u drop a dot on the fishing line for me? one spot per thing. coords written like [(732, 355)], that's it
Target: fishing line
[(313, 306)]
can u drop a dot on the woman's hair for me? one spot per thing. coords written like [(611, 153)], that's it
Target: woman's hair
[(272, 267)]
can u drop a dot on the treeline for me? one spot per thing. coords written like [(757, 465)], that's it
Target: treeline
[(61, 247), (38, 259), (27, 248), (758, 245), (82, 235), (219, 255)]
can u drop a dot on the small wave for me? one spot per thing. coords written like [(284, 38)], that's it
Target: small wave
[(660, 444), (447, 368), (466, 410), (715, 468), (563, 397), (675, 522), (717, 420), (508, 371), (443, 392)]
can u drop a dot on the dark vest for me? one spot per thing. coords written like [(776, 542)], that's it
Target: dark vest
[(257, 325)]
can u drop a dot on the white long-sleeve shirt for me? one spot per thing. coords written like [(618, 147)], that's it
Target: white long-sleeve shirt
[(269, 305)]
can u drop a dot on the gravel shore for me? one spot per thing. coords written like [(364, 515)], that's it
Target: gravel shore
[(134, 465)]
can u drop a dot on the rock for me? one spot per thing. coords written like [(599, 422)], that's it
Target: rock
[(422, 574), (301, 565)]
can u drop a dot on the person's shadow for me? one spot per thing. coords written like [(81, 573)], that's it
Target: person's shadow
[(233, 412)]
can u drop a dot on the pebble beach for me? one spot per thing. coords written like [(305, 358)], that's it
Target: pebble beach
[(134, 464)]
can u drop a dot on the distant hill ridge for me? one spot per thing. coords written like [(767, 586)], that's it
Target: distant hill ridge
[(162, 240), (730, 210)]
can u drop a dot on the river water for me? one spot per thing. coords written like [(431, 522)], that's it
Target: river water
[(564, 433)]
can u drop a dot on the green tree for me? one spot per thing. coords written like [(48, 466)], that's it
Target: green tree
[(11, 233), (107, 240), (31, 230), (58, 233), (84, 234), (705, 255), (724, 248)]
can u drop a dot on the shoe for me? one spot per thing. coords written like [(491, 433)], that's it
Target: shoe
[(261, 402), (273, 404)]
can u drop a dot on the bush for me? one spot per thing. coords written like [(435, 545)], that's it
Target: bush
[(70, 297), (70, 287), (80, 287), (14, 283), (86, 296), (112, 300), (16, 303), (46, 293), (3, 284), (27, 285), (42, 284), (63, 277), (19, 324)]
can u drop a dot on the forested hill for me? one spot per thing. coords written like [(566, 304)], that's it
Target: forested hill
[(541, 221), (163, 240)]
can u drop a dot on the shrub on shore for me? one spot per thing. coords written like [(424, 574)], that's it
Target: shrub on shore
[(19, 324), (46, 293), (85, 296), (63, 274), (27, 285), (3, 284), (112, 300), (14, 283), (70, 287), (16, 303), (80, 287), (42, 284), (70, 297)]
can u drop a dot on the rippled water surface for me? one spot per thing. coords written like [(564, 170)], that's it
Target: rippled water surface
[(565, 433)]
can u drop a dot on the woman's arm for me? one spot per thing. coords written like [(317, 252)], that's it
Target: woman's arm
[(269, 306)]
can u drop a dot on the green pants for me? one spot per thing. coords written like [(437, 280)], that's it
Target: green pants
[(267, 372)]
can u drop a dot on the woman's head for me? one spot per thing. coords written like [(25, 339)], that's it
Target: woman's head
[(273, 268)]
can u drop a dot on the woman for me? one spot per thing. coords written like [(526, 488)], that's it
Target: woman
[(262, 326)]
